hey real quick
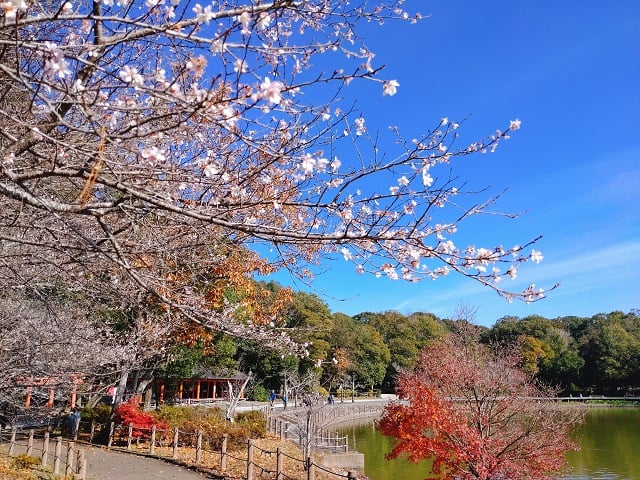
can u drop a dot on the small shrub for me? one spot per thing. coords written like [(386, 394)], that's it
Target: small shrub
[(180, 416), (258, 393), (130, 414), (26, 461), (100, 414), (253, 422), (212, 423)]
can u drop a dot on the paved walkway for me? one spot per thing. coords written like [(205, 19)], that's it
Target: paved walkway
[(103, 464)]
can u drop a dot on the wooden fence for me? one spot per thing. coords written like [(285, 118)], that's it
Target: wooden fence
[(66, 459), (194, 449), (190, 448)]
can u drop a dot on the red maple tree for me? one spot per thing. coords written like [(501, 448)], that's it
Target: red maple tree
[(478, 416), (130, 413)]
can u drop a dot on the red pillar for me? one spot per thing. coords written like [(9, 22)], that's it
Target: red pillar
[(27, 398), (52, 395)]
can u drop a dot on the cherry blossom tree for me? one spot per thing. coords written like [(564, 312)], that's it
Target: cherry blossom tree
[(478, 415), (55, 344), (142, 142)]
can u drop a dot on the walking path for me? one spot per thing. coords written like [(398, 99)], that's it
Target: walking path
[(103, 464)]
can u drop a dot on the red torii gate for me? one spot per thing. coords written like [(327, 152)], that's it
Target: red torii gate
[(29, 383)]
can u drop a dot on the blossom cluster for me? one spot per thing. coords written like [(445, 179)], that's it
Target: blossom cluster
[(160, 116)]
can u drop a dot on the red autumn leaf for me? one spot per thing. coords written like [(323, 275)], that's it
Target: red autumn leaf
[(478, 416)]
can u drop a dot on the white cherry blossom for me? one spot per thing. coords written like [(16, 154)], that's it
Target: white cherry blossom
[(403, 181), (515, 124), (153, 154), (390, 87), (55, 64), (427, 179), (12, 7), (536, 256), (346, 253), (308, 164), (203, 15), (240, 66), (130, 74), (272, 91)]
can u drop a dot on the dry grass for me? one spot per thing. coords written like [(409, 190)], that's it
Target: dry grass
[(265, 458), (10, 469)]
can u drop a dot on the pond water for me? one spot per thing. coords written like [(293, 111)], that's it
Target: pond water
[(609, 438)]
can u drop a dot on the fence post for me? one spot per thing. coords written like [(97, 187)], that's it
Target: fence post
[(279, 464), (112, 431), (198, 446), (286, 430), (129, 437), (68, 470), (45, 449), (223, 453), (81, 466), (12, 443), (30, 443), (175, 443), (250, 460), (152, 448), (56, 455)]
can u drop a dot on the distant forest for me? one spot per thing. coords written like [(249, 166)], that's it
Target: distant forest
[(595, 355)]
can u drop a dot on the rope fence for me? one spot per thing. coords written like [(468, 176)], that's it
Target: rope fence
[(64, 457), (195, 449), (191, 448)]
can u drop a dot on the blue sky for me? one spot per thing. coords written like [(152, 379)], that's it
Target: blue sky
[(571, 72)]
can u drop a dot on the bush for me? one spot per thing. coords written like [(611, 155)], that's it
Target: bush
[(130, 414), (100, 414), (212, 423), (26, 461), (23, 467), (258, 393), (180, 416), (254, 422)]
